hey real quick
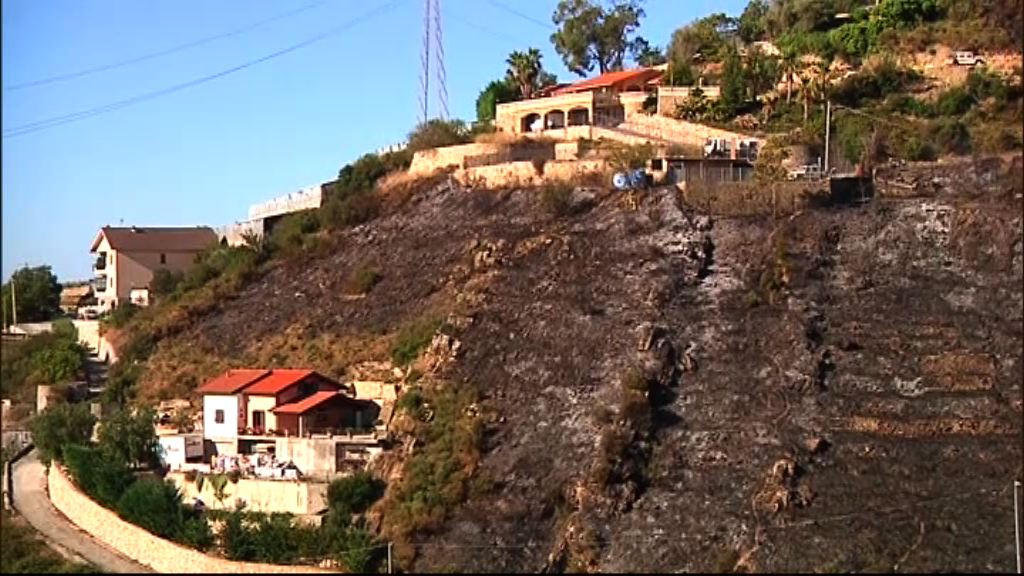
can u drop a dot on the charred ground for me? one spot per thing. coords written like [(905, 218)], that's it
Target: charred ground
[(661, 390)]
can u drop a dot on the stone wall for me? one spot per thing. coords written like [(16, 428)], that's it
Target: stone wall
[(234, 234), (138, 544), (681, 131), (259, 495), (526, 174), (510, 174), (428, 161)]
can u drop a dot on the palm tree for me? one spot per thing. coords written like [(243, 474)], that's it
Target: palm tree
[(790, 70), (524, 69), (817, 81)]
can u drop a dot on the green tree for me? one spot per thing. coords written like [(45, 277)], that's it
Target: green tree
[(647, 55), (707, 38), (129, 436), (751, 26), (36, 292), (59, 426), (734, 88), (496, 92), (761, 73), (436, 133), (590, 35)]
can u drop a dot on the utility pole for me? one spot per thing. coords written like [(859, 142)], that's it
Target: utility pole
[(828, 130), (389, 558), (1016, 521)]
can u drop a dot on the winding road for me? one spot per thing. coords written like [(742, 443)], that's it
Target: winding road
[(31, 500)]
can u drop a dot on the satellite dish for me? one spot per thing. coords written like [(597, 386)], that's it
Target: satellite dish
[(620, 180)]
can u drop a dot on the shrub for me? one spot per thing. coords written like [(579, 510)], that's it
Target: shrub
[(556, 199), (954, 102), (410, 401), (436, 133), (412, 339), (354, 494), (102, 478), (59, 426), (950, 136), (916, 150), (885, 79), (351, 210), (290, 233), (196, 533), (362, 280), (165, 282), (154, 505), (120, 316)]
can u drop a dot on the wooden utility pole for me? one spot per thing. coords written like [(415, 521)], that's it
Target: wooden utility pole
[(14, 304), (389, 558)]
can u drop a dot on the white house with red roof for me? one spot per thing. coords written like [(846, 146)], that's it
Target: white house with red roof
[(244, 409)]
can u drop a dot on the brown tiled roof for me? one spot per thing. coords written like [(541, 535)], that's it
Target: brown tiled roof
[(138, 239), (278, 381), (310, 402)]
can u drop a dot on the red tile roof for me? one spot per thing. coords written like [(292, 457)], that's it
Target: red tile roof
[(640, 75), (232, 381), (278, 381), (308, 403), (138, 239)]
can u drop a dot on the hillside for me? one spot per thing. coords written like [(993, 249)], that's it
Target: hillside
[(661, 390)]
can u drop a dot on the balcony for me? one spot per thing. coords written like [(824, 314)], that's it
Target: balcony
[(99, 285), (101, 262)]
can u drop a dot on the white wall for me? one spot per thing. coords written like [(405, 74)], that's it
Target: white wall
[(227, 429)]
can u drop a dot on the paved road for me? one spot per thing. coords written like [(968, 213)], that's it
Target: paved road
[(32, 501)]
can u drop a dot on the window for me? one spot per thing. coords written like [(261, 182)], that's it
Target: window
[(657, 165), (218, 416), (257, 419), (163, 258)]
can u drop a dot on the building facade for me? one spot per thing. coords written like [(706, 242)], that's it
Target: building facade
[(127, 258)]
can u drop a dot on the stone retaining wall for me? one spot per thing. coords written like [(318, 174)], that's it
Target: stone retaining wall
[(428, 161), (141, 546)]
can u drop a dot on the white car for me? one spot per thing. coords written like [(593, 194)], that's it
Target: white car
[(967, 58)]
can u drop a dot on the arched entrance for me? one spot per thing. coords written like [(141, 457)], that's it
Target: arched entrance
[(579, 117), (529, 122)]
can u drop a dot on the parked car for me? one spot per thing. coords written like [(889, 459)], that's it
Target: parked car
[(967, 58)]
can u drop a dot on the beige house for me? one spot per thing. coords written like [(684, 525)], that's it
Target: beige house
[(127, 258)]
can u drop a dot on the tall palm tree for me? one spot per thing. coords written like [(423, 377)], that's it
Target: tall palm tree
[(817, 82), (790, 70), (524, 69)]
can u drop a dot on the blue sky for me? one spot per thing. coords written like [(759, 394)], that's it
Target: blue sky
[(203, 155)]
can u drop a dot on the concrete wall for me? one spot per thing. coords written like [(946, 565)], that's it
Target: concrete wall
[(234, 234), (88, 333), (288, 496), (314, 457), (428, 161), (234, 416), (138, 544), (304, 199), (573, 170), (671, 96)]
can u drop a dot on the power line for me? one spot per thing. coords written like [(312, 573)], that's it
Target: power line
[(172, 50), (88, 113), (527, 17), (456, 16)]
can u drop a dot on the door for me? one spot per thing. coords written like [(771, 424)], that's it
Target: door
[(257, 419)]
